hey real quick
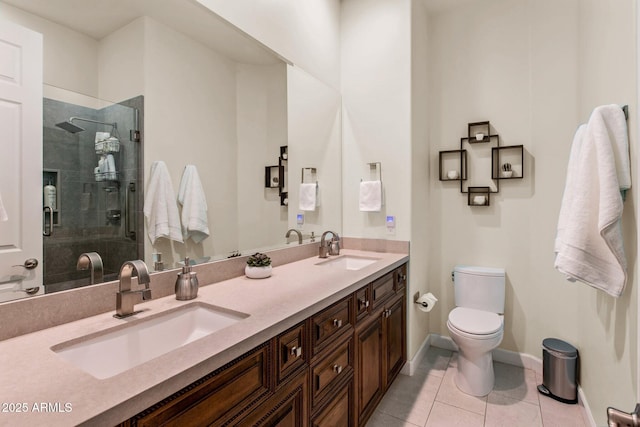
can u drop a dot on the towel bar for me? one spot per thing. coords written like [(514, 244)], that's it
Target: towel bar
[(375, 166), (312, 171)]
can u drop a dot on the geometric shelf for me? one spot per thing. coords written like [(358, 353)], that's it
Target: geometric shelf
[(453, 165), (507, 162)]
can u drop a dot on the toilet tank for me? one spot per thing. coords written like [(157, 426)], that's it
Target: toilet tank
[(481, 288)]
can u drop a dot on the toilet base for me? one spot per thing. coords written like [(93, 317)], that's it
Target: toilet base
[(475, 377)]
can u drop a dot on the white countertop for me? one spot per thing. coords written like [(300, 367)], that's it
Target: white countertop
[(39, 388)]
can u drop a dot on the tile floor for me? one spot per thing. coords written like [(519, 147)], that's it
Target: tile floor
[(430, 398)]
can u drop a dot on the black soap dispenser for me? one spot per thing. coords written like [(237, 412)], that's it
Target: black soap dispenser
[(187, 283)]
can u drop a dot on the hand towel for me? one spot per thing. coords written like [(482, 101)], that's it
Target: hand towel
[(3, 212), (195, 224), (589, 243), (160, 207), (308, 197), (370, 196)]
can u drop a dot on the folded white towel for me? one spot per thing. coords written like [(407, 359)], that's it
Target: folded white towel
[(370, 196), (160, 207), (3, 212), (589, 243), (195, 223), (308, 197)]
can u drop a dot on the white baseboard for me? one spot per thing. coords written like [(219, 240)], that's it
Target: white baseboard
[(509, 357)]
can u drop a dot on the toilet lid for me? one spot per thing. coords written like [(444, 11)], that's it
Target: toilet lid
[(474, 321)]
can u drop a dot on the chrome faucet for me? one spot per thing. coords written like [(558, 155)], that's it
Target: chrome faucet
[(295, 231), (126, 298), (91, 261), (331, 247), (617, 418)]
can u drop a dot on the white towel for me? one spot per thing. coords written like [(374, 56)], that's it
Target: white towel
[(370, 196), (160, 207), (191, 196), (589, 243), (308, 197), (3, 212)]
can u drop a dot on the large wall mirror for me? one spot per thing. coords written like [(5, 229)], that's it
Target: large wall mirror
[(202, 93)]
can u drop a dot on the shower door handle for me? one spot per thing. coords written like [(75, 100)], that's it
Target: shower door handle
[(44, 231), (131, 188)]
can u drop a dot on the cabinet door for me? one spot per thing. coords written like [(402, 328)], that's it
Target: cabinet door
[(287, 408), (395, 340), (338, 412), (369, 371)]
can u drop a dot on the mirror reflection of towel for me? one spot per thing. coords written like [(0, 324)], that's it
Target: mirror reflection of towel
[(308, 197), (160, 207), (195, 224), (3, 212), (370, 196)]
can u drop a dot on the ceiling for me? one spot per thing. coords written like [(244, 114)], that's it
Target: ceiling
[(99, 18)]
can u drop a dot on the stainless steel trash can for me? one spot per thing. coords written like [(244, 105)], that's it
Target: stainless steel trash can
[(559, 369)]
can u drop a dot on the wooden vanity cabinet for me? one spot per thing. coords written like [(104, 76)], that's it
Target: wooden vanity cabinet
[(380, 342), (330, 370)]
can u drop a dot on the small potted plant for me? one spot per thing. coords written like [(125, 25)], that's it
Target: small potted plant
[(258, 266)]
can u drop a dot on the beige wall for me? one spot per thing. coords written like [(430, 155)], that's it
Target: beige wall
[(535, 69), (314, 113), (306, 33), (376, 94), (421, 197), (70, 58)]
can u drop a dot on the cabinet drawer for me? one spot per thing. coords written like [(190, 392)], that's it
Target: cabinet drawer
[(382, 289), (290, 351), (329, 324), (330, 370), (363, 301), (400, 277), (216, 398)]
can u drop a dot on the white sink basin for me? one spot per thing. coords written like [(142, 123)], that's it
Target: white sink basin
[(104, 355), (348, 262)]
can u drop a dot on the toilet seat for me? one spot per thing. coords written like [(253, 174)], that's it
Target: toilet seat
[(474, 322)]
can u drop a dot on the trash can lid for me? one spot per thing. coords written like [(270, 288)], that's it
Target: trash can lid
[(559, 346)]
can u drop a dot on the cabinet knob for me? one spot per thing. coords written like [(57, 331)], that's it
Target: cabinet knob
[(337, 323), (386, 313), (337, 369), (363, 303), (402, 277), (296, 351)]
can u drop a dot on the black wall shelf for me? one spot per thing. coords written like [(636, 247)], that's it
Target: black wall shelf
[(507, 162)]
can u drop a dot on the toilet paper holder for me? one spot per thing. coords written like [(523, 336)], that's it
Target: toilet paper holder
[(425, 305)]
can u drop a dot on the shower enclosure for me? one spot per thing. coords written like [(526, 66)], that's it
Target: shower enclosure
[(92, 157)]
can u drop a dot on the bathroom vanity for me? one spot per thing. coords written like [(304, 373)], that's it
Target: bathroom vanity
[(331, 369), (317, 343)]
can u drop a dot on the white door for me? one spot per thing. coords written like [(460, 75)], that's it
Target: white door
[(20, 160)]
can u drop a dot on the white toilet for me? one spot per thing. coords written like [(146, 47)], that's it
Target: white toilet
[(476, 325)]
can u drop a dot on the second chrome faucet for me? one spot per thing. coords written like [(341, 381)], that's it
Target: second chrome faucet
[(329, 247), (126, 298)]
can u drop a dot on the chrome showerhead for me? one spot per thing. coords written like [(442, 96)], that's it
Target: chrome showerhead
[(69, 126)]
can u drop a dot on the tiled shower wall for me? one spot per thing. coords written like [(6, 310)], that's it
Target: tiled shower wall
[(83, 202)]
